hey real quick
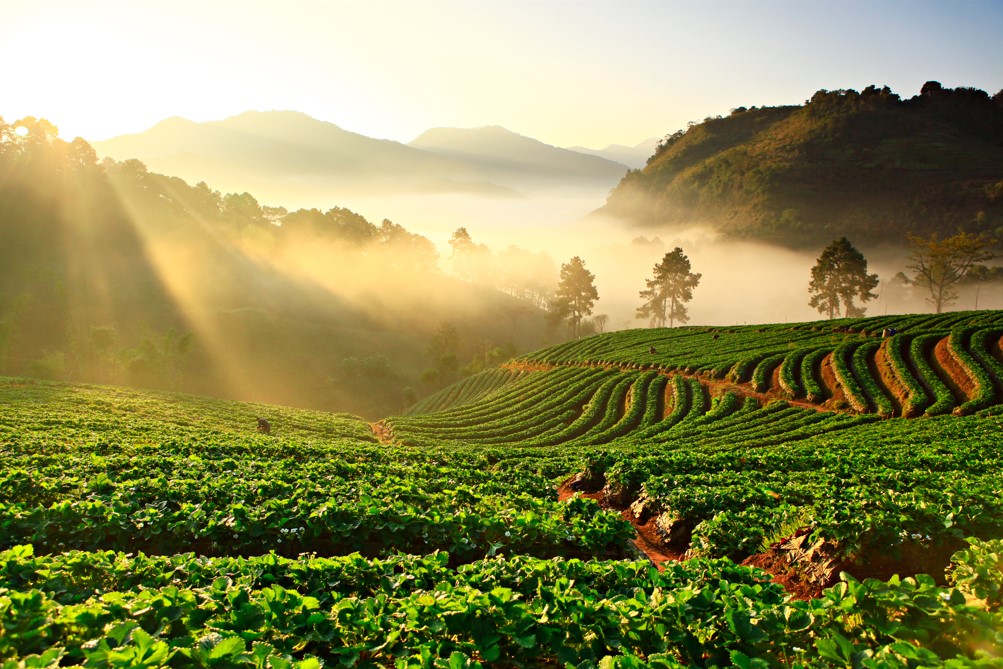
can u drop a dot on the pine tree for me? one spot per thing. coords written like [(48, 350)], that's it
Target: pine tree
[(668, 291), (576, 295), (838, 277)]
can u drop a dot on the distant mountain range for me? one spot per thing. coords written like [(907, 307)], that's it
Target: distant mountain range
[(866, 165), (283, 156), (634, 157)]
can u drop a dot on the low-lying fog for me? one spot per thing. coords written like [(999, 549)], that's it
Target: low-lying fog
[(742, 282)]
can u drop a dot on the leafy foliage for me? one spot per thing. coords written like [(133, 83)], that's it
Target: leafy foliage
[(867, 163), (940, 264), (668, 291), (156, 529), (575, 296), (838, 277)]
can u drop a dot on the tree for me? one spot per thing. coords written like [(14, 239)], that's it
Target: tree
[(443, 353), (471, 261), (667, 292), (939, 264), (576, 295), (838, 277)]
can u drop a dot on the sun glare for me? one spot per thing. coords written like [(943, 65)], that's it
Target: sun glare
[(21, 131)]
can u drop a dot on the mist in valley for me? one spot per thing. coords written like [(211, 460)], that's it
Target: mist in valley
[(347, 300), (742, 282)]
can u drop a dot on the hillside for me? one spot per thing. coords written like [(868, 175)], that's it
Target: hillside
[(869, 166), (164, 527), (285, 156), (119, 274), (502, 156)]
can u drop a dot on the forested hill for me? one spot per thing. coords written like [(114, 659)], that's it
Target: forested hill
[(115, 274), (867, 165)]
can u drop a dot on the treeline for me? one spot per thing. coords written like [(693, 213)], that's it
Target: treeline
[(867, 164), (115, 274)]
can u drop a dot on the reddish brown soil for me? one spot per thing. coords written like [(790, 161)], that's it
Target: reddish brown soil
[(781, 572), (667, 400), (382, 432), (888, 381), (775, 380), (832, 386), (908, 560), (647, 540), (953, 372)]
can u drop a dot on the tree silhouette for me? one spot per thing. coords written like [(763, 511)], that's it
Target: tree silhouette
[(668, 291), (938, 264), (839, 276), (443, 353), (576, 295), (471, 261)]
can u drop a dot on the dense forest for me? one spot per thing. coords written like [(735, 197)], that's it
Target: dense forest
[(115, 274), (867, 165)]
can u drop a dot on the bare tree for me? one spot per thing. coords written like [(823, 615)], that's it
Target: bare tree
[(939, 264)]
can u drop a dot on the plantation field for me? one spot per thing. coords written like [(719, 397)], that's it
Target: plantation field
[(833, 493)]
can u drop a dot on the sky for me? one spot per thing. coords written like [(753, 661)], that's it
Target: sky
[(569, 73)]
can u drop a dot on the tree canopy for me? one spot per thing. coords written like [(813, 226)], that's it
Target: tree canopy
[(838, 278), (668, 290), (866, 163), (576, 295), (939, 264)]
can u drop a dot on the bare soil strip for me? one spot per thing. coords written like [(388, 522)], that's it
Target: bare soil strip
[(833, 388), (881, 369), (952, 372)]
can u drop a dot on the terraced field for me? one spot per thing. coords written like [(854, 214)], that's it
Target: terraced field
[(793, 483)]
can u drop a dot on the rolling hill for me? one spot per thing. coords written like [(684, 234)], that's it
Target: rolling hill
[(119, 274), (502, 156), (285, 156), (869, 166)]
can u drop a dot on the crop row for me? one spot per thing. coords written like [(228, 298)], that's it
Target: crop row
[(703, 349), (167, 498), (111, 609), (466, 391), (873, 487)]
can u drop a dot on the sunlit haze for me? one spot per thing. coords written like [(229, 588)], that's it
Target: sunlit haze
[(243, 230)]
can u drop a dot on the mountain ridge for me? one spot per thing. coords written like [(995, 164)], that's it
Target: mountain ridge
[(867, 165), (269, 151)]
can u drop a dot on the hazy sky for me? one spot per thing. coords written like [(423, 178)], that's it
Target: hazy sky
[(565, 72)]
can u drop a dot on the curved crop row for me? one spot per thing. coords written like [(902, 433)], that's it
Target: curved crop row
[(466, 391), (863, 371), (841, 366), (919, 349), (762, 375), (918, 398), (963, 344), (634, 416)]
